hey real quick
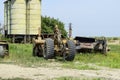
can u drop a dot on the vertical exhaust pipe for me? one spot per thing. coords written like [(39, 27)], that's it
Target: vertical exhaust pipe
[(70, 30)]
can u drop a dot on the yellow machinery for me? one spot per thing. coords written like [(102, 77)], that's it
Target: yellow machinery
[(49, 48)]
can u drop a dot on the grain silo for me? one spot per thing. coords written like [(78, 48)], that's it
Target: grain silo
[(33, 17), (22, 19), (18, 17)]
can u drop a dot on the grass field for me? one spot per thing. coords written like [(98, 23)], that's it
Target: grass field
[(72, 78), (21, 54), (84, 61)]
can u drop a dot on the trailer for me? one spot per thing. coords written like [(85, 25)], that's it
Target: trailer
[(86, 44)]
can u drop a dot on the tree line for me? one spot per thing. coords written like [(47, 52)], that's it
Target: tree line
[(49, 23)]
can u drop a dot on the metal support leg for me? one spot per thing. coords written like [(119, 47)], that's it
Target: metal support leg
[(13, 39), (25, 39)]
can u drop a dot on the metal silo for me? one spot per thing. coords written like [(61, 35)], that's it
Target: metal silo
[(18, 17), (22, 19), (33, 16)]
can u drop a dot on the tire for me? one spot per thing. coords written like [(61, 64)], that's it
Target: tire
[(37, 51), (71, 55), (48, 52), (2, 52), (104, 50)]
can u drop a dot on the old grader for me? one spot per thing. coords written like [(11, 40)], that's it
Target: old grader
[(54, 46)]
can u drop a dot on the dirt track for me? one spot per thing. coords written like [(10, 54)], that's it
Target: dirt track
[(14, 71)]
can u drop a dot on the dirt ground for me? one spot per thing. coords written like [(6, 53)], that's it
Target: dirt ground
[(41, 73)]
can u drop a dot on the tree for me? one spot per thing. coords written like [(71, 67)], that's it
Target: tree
[(49, 23)]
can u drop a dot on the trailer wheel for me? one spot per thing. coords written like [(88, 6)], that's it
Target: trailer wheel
[(104, 50), (4, 50), (71, 51), (48, 52), (37, 51)]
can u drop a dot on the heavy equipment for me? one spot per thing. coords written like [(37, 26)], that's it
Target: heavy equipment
[(86, 44), (53, 46), (4, 48)]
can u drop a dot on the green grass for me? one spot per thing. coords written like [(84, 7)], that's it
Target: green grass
[(74, 78), (82, 61), (21, 54), (111, 60)]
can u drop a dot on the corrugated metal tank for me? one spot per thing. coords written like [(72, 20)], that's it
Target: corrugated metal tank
[(33, 16), (18, 17), (22, 17), (9, 17)]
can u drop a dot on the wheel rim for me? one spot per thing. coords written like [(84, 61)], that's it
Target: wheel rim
[(66, 54)]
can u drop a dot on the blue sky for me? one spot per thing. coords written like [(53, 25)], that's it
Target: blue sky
[(88, 17)]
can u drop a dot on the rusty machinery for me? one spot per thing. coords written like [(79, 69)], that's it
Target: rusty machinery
[(4, 47), (54, 46), (85, 44)]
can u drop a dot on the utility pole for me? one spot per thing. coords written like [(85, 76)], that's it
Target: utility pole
[(70, 30)]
